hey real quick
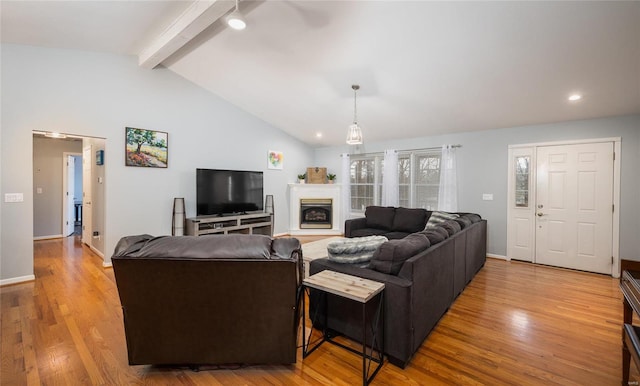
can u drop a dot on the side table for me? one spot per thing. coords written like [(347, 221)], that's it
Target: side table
[(361, 291)]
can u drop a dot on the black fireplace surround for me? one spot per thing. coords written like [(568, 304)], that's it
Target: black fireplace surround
[(316, 213)]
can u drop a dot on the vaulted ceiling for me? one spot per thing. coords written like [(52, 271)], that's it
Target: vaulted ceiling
[(424, 68)]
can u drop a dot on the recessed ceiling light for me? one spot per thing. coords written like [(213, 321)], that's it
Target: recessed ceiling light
[(235, 19), (318, 135), (575, 97)]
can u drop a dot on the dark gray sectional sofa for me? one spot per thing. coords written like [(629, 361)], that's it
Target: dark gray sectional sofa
[(423, 271)]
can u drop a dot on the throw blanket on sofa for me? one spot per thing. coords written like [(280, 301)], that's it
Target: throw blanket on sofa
[(354, 250)]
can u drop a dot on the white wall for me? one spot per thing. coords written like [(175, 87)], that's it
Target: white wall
[(482, 164), (96, 94)]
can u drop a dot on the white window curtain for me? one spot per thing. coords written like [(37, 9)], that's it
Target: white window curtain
[(346, 189), (390, 186), (448, 191)]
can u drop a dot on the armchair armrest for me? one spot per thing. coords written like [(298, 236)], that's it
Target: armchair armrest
[(353, 224)]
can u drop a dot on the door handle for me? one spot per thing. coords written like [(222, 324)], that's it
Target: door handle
[(540, 214)]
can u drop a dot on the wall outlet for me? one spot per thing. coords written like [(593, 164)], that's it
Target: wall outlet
[(487, 196)]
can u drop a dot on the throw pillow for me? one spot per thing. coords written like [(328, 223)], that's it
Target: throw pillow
[(354, 250), (435, 235), (451, 226), (379, 217), (392, 254), (463, 221), (438, 217), (473, 217)]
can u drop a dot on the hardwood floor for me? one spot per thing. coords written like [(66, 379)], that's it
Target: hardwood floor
[(515, 323)]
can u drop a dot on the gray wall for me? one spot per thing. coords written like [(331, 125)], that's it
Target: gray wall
[(482, 168), (98, 95), (47, 175)]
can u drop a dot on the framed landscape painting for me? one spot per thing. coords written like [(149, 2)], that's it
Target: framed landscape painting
[(146, 148)]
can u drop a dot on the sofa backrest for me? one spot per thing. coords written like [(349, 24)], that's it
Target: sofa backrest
[(409, 220), (206, 247), (209, 299)]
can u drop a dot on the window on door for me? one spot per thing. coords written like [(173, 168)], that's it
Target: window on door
[(418, 179)]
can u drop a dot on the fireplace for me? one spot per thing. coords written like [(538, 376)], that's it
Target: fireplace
[(316, 213)]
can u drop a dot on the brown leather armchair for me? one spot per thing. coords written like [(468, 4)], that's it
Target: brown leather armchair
[(226, 299)]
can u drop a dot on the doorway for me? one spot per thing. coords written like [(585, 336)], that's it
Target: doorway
[(562, 206), (72, 193), (57, 205)]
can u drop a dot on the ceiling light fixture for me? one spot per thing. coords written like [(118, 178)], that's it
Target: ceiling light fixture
[(354, 136), (235, 19), (575, 97)]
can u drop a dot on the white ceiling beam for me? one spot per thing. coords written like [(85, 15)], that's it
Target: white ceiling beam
[(200, 15)]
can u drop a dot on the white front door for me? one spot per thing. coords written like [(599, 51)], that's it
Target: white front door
[(574, 206)]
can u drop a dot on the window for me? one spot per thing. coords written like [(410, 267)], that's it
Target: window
[(363, 183), (522, 181), (418, 179)]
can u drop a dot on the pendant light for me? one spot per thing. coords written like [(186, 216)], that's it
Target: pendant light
[(354, 136), (235, 19)]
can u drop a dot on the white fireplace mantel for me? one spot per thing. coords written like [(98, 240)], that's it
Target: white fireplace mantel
[(299, 191)]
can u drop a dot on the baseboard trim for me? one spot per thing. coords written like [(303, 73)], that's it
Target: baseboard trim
[(106, 264), (17, 280), (97, 252), (281, 234), (47, 237), (501, 257)]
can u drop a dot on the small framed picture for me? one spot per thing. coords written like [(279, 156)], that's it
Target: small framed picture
[(100, 157), (275, 159), (146, 148)]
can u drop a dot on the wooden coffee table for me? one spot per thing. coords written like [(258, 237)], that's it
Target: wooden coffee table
[(315, 250)]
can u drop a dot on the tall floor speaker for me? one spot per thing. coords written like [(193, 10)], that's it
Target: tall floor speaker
[(177, 220), (268, 203)]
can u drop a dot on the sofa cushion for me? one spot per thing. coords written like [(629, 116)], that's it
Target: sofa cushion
[(367, 232), (283, 248), (438, 217), (435, 235), (452, 227), (390, 256), (354, 250), (463, 221), (379, 217), (396, 235), (409, 220), (473, 217)]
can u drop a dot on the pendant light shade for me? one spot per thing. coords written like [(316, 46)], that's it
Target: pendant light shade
[(235, 19), (354, 135)]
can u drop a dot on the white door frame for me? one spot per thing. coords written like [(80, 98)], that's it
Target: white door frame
[(87, 205), (65, 180), (615, 269)]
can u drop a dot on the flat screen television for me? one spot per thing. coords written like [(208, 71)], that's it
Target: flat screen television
[(221, 192)]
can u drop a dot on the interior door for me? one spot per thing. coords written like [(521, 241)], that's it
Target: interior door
[(87, 209), (574, 206), (69, 198)]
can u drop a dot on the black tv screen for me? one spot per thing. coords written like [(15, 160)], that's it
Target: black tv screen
[(220, 192)]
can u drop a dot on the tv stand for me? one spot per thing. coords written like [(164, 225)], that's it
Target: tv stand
[(251, 224)]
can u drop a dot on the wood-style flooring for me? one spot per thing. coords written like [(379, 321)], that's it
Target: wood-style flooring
[(514, 324)]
